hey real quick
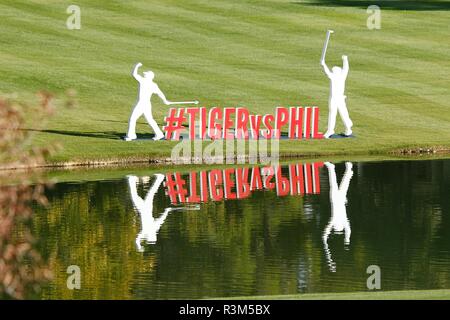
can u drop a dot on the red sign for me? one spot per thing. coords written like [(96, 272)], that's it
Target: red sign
[(238, 123)]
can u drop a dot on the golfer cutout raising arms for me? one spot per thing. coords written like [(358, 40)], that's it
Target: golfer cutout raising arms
[(336, 102), (144, 107)]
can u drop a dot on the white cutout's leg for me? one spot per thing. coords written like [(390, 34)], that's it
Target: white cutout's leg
[(343, 112), (154, 189), (332, 176), (345, 182), (135, 115), (332, 113), (149, 117)]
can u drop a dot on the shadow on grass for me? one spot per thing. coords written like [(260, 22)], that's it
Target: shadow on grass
[(383, 4), (112, 135), (118, 121)]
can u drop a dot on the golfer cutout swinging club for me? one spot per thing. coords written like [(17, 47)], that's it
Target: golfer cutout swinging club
[(147, 87), (336, 102)]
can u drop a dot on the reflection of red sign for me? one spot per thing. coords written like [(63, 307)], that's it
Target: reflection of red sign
[(238, 183), (238, 123)]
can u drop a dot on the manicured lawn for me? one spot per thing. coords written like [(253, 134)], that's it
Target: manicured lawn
[(257, 54), (377, 295)]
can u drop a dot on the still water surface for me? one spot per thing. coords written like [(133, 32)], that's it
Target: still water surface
[(298, 228)]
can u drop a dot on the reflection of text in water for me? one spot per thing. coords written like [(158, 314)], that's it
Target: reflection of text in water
[(238, 183)]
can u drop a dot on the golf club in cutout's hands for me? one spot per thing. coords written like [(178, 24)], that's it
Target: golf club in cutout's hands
[(143, 107), (337, 99), (324, 50), (183, 102)]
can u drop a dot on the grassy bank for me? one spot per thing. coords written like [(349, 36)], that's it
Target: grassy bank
[(378, 295), (257, 54)]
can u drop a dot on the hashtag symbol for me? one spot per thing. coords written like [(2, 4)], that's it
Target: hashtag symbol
[(175, 188), (174, 123)]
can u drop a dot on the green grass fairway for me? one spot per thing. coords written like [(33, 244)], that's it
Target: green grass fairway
[(377, 295), (253, 53)]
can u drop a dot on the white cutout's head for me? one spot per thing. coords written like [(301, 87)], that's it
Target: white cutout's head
[(336, 70), (149, 75)]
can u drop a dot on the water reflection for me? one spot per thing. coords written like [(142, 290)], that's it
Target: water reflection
[(240, 183), (339, 221), (259, 231), (149, 225)]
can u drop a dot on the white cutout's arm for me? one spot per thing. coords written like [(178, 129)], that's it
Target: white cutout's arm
[(161, 95), (162, 218), (138, 243), (329, 227), (135, 72), (345, 66), (326, 234), (347, 232), (326, 69)]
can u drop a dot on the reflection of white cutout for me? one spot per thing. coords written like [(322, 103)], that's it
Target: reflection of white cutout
[(150, 225), (336, 102), (338, 198)]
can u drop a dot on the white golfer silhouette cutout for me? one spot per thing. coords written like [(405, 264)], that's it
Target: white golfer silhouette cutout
[(336, 102), (149, 225), (147, 87), (338, 199)]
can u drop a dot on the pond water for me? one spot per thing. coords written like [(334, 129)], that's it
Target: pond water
[(296, 228)]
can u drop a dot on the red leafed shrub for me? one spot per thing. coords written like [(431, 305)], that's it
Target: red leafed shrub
[(22, 269)]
